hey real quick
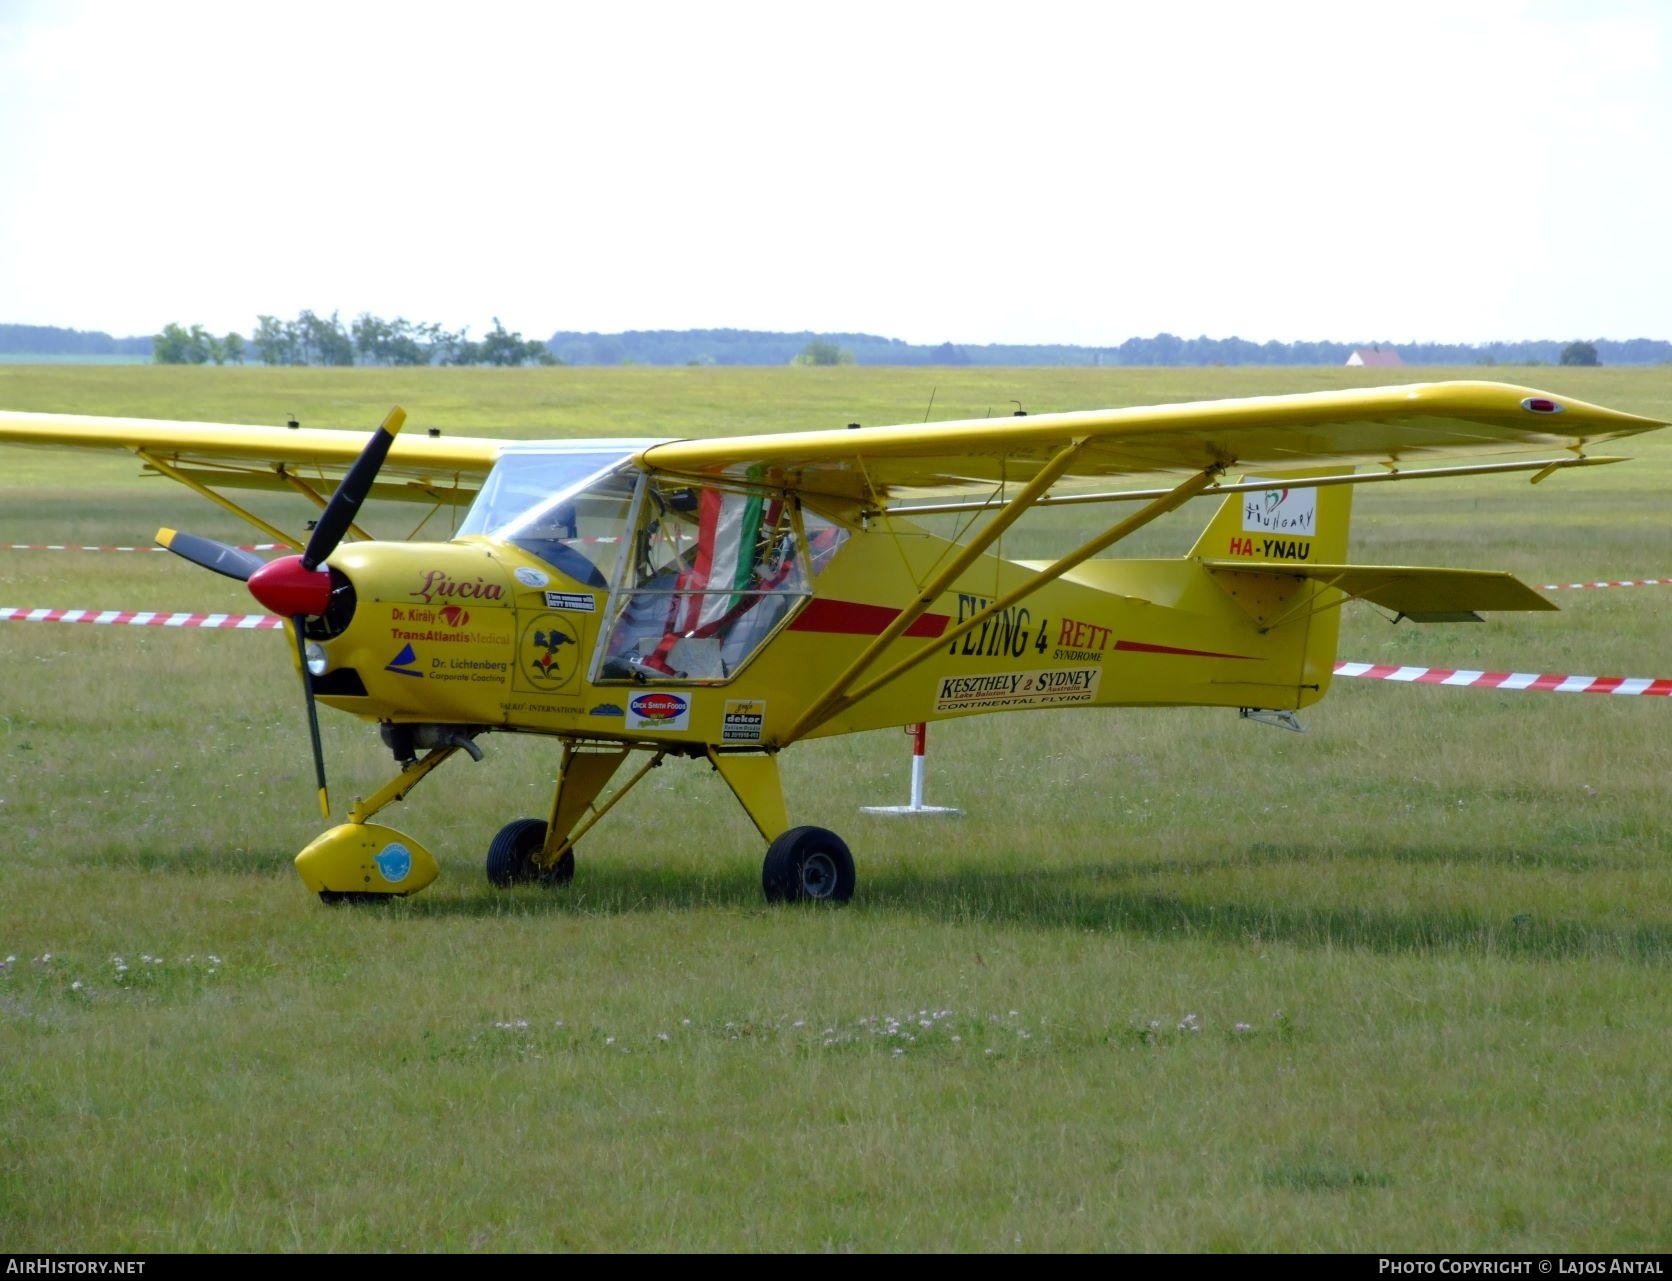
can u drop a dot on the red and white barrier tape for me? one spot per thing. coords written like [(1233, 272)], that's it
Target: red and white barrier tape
[(248, 547), (140, 618), (284, 547), (72, 547), (1454, 676), (1507, 680), (1623, 582)]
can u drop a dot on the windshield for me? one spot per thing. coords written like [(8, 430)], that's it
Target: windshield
[(524, 486)]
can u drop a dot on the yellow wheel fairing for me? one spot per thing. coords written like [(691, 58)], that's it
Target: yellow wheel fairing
[(366, 858)]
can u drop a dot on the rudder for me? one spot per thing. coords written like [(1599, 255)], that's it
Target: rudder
[(1282, 523), (1289, 526)]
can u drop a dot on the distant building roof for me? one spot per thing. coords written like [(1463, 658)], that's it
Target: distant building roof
[(1377, 357)]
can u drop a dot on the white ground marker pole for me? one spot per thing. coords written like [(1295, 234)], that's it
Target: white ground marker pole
[(919, 746)]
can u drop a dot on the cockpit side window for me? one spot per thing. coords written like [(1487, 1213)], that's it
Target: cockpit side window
[(714, 572)]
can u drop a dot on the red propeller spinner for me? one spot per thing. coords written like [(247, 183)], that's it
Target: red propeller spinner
[(287, 587)]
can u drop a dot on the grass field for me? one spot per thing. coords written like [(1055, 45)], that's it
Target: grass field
[(1175, 983)]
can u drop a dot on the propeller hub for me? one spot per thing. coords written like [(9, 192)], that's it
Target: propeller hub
[(289, 588)]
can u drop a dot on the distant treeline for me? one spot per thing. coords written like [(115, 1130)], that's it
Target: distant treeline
[(752, 347), (47, 340), (372, 340), (310, 339)]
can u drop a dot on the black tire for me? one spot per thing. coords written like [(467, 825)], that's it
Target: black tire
[(808, 865), (511, 856)]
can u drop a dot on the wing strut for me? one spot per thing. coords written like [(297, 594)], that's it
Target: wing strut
[(318, 499), (843, 694), (1543, 467), (835, 699), (174, 473)]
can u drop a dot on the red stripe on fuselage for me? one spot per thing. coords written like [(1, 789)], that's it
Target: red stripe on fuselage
[(1139, 647), (850, 618)]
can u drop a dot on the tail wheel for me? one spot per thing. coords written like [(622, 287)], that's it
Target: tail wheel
[(808, 865), (511, 856)]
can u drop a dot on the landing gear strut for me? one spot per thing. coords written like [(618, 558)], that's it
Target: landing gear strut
[(531, 849), (360, 859)]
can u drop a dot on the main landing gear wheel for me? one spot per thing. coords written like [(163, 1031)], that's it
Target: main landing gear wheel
[(511, 856), (808, 865)]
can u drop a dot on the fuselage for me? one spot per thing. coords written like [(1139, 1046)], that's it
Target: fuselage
[(588, 631)]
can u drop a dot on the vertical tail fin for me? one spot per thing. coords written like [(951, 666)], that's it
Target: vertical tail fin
[(1285, 525), (1282, 523)]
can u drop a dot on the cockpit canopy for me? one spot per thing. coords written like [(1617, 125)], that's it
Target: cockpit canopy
[(699, 576), (529, 482), (563, 503)]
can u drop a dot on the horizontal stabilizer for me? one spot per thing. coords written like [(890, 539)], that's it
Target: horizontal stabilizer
[(1422, 595)]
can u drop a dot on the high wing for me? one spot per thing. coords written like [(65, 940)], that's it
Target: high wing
[(426, 469), (1392, 426)]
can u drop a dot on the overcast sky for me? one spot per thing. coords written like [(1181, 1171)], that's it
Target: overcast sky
[(1041, 172)]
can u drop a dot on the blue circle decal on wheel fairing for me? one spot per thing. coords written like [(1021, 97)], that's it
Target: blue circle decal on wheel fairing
[(394, 863)]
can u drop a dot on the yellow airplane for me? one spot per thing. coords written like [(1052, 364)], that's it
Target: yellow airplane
[(722, 599)]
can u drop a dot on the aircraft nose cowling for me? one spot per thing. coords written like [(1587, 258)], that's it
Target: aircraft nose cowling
[(287, 588)]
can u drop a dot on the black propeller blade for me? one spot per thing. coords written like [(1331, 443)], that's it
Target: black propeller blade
[(351, 492), (234, 562), (297, 624), (333, 523), (295, 586)]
